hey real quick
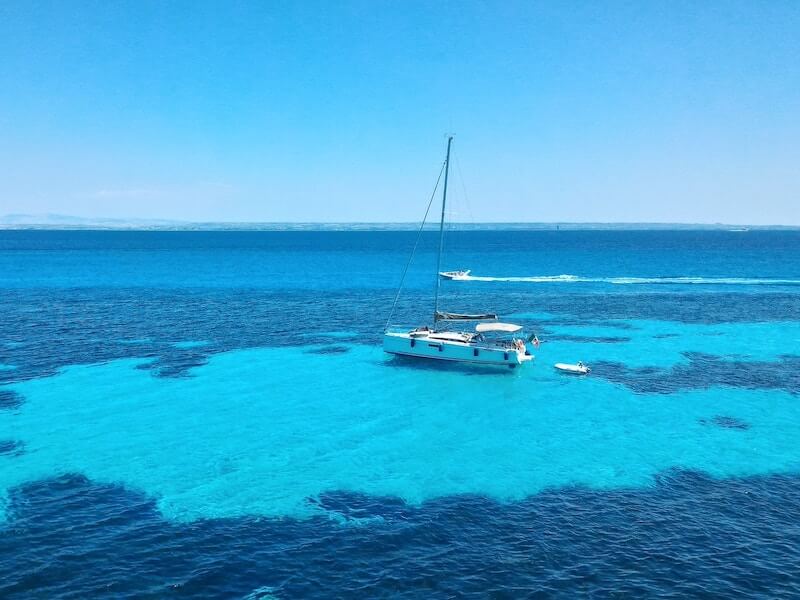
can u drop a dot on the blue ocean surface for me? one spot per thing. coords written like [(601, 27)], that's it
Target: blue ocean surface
[(211, 414)]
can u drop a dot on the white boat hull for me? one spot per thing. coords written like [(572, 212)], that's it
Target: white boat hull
[(572, 369), (405, 344), (454, 275)]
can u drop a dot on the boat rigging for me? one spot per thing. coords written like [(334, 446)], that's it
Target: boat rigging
[(489, 344)]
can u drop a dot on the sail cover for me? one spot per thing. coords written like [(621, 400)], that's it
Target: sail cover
[(444, 316)]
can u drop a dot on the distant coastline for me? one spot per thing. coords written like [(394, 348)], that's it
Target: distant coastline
[(59, 222)]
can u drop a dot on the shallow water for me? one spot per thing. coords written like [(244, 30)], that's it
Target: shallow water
[(218, 404)]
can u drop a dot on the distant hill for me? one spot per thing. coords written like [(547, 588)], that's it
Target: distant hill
[(69, 221)]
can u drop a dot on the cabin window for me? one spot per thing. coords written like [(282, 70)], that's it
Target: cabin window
[(505, 355), (475, 352)]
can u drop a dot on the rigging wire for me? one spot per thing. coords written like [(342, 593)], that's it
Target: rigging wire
[(414, 249), (458, 208), (456, 205), (464, 189)]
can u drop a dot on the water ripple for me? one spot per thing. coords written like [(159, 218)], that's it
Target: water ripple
[(691, 535)]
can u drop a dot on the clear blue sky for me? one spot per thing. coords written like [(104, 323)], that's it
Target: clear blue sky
[(336, 111)]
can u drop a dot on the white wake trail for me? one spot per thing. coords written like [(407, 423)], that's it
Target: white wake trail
[(637, 280)]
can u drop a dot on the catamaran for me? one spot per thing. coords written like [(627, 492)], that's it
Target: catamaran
[(491, 342)]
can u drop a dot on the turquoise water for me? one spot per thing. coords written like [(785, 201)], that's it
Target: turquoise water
[(224, 403), (259, 431)]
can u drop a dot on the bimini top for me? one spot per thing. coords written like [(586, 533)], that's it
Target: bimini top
[(504, 327)]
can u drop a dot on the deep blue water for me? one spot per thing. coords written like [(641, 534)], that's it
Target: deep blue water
[(210, 414)]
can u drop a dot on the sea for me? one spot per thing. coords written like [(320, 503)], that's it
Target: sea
[(211, 414)]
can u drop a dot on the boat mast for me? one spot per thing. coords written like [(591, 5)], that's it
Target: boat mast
[(441, 233)]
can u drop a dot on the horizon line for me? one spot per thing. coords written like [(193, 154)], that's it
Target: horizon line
[(114, 224)]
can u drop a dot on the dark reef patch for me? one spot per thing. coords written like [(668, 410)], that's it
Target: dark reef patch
[(11, 447), (355, 505), (329, 350), (588, 339), (67, 326), (9, 400), (688, 536), (323, 339), (574, 321), (704, 371), (175, 363), (726, 422)]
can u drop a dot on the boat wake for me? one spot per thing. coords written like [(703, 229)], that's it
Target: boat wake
[(638, 280)]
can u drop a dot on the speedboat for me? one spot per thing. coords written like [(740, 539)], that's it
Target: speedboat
[(454, 275), (492, 343), (578, 369)]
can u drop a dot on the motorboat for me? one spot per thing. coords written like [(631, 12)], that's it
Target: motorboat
[(489, 343), (454, 275), (577, 369)]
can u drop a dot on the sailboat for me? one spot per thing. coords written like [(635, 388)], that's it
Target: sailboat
[(490, 343)]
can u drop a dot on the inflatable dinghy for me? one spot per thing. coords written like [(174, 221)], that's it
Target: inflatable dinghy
[(579, 369)]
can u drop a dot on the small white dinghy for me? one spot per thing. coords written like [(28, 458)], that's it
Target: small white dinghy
[(579, 369)]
